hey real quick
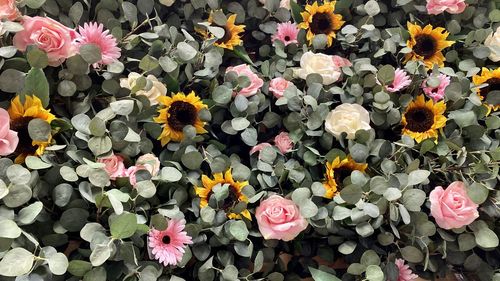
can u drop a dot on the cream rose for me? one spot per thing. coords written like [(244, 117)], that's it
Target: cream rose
[(329, 67), (347, 118), (157, 89), (493, 42)]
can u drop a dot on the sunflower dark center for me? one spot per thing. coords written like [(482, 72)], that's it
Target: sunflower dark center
[(425, 46), (419, 119), (321, 23), (181, 114), (165, 239), (227, 35), (493, 85), (231, 199), (341, 174), (20, 125)]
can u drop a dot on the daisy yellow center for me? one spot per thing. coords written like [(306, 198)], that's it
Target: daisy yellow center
[(321, 23), (426, 46), (165, 239), (20, 125), (419, 119), (181, 114), (493, 85)]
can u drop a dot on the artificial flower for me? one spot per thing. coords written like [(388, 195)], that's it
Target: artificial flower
[(156, 90), (8, 10), (232, 37), (423, 119), (426, 44), (287, 33), (492, 80), (114, 166), (259, 147), (436, 93), (329, 67), (401, 81), (405, 273), (493, 43), (283, 142), (94, 33), (347, 118), (337, 171), (255, 82), (436, 7), (8, 138), (321, 19), (168, 246), (278, 85)]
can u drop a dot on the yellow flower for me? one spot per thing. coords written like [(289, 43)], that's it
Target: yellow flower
[(426, 44), (232, 32), (492, 78), (321, 20), (235, 193), (20, 115), (177, 112), (422, 119), (337, 171)]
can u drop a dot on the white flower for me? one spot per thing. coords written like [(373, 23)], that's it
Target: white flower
[(157, 88), (493, 42), (167, 3), (329, 67), (347, 118), (283, 3)]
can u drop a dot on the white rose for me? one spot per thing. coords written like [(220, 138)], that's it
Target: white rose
[(493, 42), (347, 118), (157, 88), (167, 3), (321, 64), (283, 3)]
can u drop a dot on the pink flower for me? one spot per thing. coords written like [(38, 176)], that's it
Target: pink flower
[(114, 166), (340, 61), (436, 93), (435, 7), (149, 162), (401, 81), (452, 207), (279, 218), (8, 138), (8, 10), (131, 173), (168, 246), (283, 142), (255, 82), (405, 273), (286, 33), (278, 86), (94, 33), (259, 147), (49, 36)]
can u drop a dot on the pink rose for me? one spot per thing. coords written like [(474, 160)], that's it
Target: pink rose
[(255, 82), (452, 207), (149, 162), (435, 7), (132, 171), (279, 218), (278, 86), (50, 36), (114, 166), (8, 10), (8, 138), (283, 142), (259, 147)]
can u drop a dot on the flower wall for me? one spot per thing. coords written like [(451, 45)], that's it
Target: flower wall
[(249, 140)]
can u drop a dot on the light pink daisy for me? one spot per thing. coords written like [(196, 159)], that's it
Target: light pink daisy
[(94, 33), (436, 93), (168, 245), (286, 33), (405, 273), (401, 81)]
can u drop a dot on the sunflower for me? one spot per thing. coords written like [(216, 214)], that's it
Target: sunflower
[(235, 195), (426, 44), (422, 119), (179, 111), (20, 115), (321, 20), (232, 32), (337, 171), (492, 78)]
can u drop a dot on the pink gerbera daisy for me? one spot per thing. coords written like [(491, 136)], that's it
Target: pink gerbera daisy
[(401, 81), (436, 93), (286, 33), (405, 273), (168, 245), (94, 33)]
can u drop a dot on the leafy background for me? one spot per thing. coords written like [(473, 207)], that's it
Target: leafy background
[(62, 219)]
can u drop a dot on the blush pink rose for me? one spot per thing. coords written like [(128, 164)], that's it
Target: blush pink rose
[(283, 142), (8, 138), (452, 207), (48, 35), (278, 86), (255, 82), (8, 10), (131, 171), (279, 218), (149, 162), (435, 7), (259, 147), (114, 166)]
